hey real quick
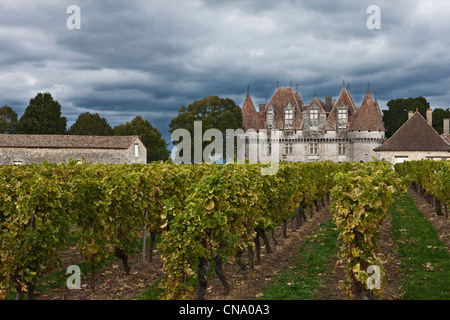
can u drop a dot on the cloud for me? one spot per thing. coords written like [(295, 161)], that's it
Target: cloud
[(151, 57)]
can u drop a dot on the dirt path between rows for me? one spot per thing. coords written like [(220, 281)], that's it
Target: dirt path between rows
[(284, 254)]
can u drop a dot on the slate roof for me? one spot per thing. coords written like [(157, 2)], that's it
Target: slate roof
[(66, 141), (415, 134)]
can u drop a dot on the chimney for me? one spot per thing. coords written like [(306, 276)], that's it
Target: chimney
[(446, 125), (328, 102), (262, 107), (430, 116), (410, 114)]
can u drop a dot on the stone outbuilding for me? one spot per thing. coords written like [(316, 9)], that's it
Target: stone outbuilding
[(29, 149), (416, 139)]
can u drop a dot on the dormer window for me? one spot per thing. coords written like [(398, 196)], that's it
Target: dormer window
[(289, 117), (269, 116), (313, 116), (342, 118)]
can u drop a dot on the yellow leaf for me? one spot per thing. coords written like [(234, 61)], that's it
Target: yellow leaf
[(210, 205)]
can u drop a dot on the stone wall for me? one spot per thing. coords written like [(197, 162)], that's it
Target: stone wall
[(359, 146), (401, 156), (25, 156)]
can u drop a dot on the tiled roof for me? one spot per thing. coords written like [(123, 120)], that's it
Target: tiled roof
[(446, 136), (346, 100), (251, 119), (368, 116), (360, 118), (415, 134), (299, 100), (318, 103), (280, 99), (65, 141)]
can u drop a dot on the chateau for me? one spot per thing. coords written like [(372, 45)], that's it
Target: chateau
[(336, 130)]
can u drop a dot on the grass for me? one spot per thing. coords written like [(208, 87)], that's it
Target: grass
[(302, 281), (425, 259)]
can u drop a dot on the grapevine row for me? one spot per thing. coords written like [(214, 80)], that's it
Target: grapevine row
[(361, 199), (202, 212), (431, 179)]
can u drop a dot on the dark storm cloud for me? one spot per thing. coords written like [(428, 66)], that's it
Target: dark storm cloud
[(151, 57)]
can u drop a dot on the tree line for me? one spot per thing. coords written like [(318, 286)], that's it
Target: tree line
[(43, 116)]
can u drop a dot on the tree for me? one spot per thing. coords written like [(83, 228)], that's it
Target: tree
[(8, 120), (397, 114), (150, 136), (438, 118), (214, 112), (42, 116), (91, 124)]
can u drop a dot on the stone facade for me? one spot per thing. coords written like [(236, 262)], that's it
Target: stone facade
[(401, 156), (30, 149), (335, 130)]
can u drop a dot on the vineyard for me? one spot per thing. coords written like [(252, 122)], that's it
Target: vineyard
[(196, 216)]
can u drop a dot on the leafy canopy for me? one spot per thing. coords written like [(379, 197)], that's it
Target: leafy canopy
[(42, 116), (214, 112), (151, 137), (397, 114), (8, 120), (91, 124)]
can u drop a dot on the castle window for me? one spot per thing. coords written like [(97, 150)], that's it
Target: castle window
[(288, 148), (136, 150), (342, 149), (269, 149), (314, 149), (342, 114), (289, 117), (342, 119), (314, 116), (270, 116)]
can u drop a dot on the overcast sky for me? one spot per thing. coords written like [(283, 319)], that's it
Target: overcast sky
[(150, 58)]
